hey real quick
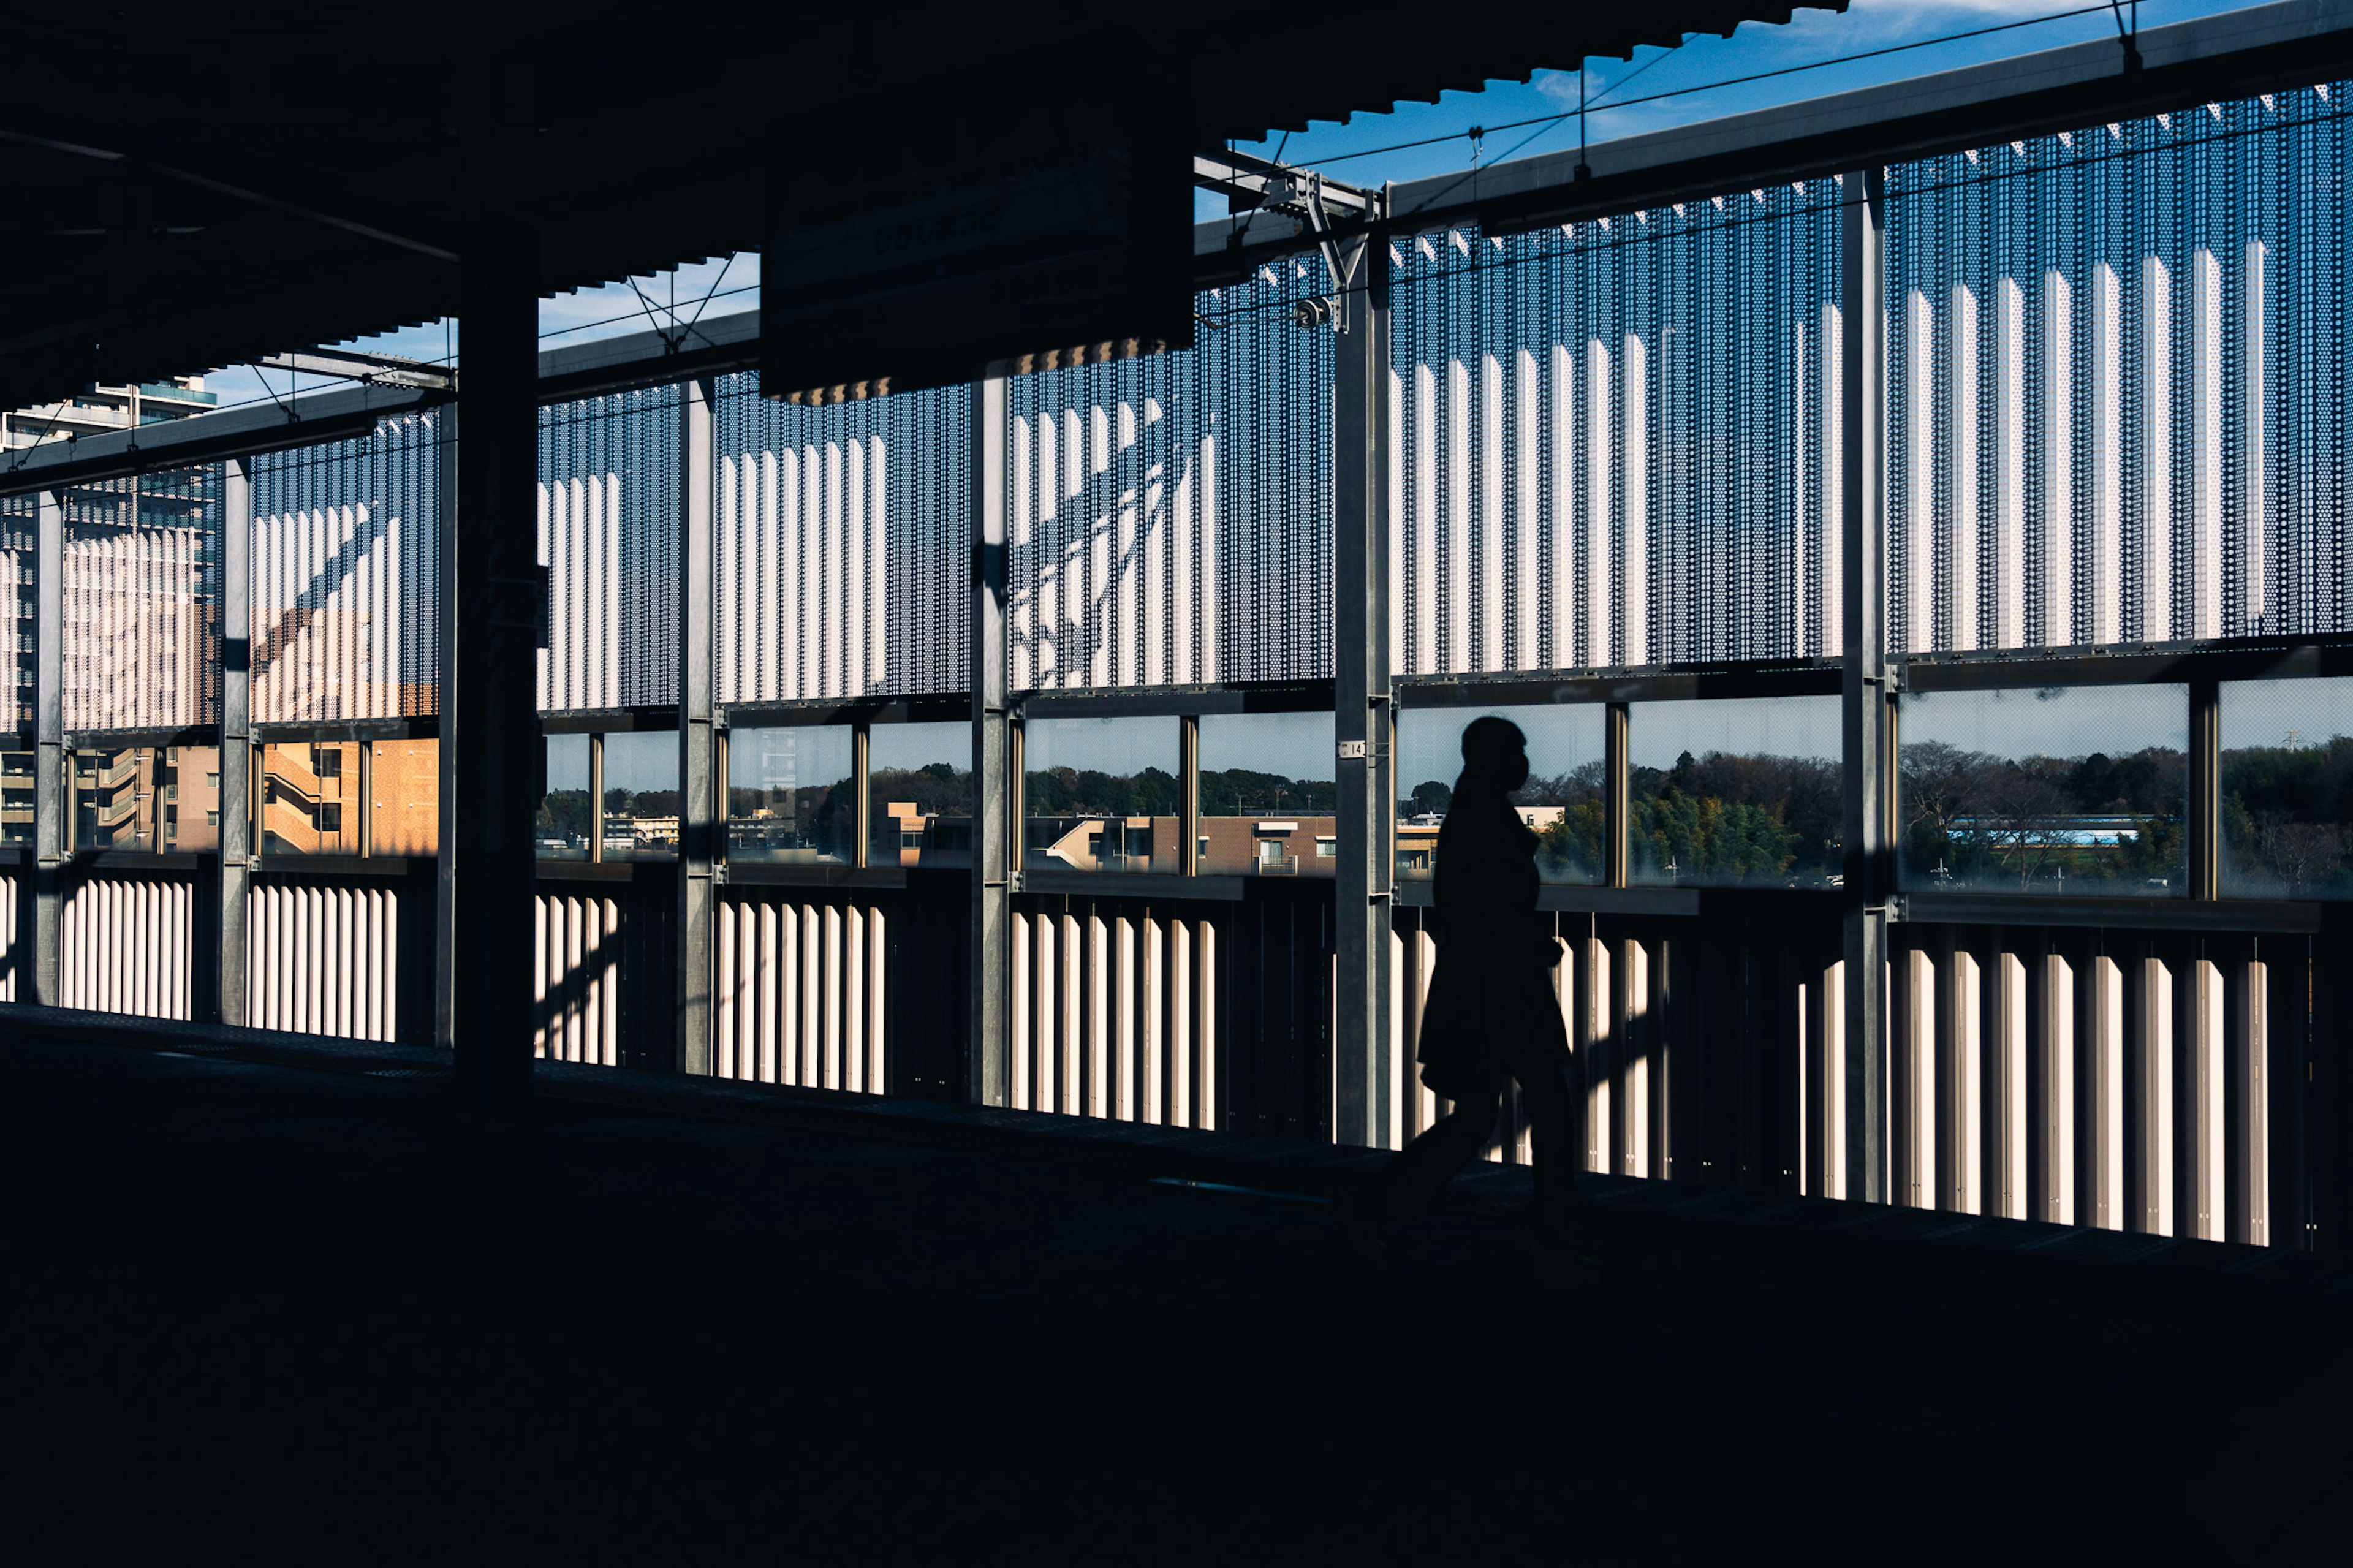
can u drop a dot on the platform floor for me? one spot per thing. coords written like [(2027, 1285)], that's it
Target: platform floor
[(253, 1306)]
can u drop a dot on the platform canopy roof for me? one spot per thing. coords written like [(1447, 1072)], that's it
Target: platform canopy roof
[(207, 183)]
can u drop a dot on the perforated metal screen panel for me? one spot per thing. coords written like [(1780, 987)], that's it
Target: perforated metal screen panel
[(142, 601), (1615, 442), (346, 581), (843, 544), (608, 493), (1171, 515), (2116, 382)]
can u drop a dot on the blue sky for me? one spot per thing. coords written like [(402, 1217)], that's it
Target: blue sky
[(1811, 35)]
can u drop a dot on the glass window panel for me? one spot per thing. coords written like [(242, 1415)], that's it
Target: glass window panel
[(404, 788), (145, 799), (1738, 792), (2060, 790), (919, 800), (566, 815), (310, 798), (17, 797), (641, 796), (789, 798), (1562, 801), (1100, 794), (1267, 794), (2287, 789)]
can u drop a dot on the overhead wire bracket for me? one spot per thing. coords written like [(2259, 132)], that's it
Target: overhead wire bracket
[(1304, 195)]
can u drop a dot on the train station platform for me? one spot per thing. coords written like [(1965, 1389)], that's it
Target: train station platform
[(260, 1301)]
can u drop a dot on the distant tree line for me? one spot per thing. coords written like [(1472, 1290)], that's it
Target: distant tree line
[(2287, 818), (1993, 819), (1090, 792), (1729, 818), (937, 789)]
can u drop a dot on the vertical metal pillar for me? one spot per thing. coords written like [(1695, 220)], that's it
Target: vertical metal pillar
[(445, 751), (1869, 859), (862, 805), (363, 759), (1361, 1049), (1188, 794), (596, 796), (50, 801), (2205, 788), (497, 610), (987, 1079), (698, 784), (1617, 806), (235, 739)]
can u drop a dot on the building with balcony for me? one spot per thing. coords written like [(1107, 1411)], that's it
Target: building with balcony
[(97, 409)]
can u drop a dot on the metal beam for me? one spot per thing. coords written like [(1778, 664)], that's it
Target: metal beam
[(237, 827), (1256, 183), (698, 803), (374, 370), (987, 1079), (1366, 799), (1869, 868), (209, 437), (50, 801)]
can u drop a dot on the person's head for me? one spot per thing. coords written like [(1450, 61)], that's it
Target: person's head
[(1494, 754)]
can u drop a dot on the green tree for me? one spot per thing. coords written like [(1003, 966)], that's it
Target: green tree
[(1432, 796), (564, 814)]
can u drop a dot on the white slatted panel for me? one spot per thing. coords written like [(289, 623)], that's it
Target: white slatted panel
[(803, 992), (1113, 1010), (124, 947), (323, 960), (576, 980)]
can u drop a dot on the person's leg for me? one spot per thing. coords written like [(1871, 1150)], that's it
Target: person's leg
[(1560, 1211), (1404, 1187)]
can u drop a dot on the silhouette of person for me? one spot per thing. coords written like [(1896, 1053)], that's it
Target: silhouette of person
[(1492, 1014)]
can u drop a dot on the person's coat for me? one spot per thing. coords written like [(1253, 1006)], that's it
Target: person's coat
[(1492, 1011)]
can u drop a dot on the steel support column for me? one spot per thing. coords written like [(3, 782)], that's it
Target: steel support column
[(1616, 809), (2205, 788), (1188, 794), (235, 741), (50, 801), (1868, 857), (698, 784), (446, 708), (494, 747), (1366, 827), (987, 1077), (862, 808)]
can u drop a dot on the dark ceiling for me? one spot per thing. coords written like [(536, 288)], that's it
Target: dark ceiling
[(207, 183)]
